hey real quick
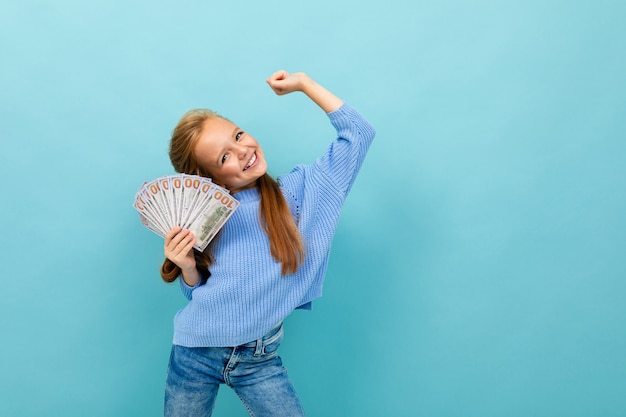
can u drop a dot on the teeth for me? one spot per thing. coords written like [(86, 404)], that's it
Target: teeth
[(251, 161)]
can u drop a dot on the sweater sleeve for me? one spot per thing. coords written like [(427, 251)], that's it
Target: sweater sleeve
[(186, 289), (345, 155), (336, 170)]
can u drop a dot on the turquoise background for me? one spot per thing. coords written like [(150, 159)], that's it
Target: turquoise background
[(478, 268)]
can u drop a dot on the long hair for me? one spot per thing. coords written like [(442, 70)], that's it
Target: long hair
[(285, 239)]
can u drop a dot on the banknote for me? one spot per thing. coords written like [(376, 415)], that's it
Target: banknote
[(189, 201)]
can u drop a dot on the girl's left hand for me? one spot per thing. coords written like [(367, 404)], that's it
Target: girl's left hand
[(284, 83)]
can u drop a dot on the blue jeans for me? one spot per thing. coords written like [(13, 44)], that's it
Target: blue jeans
[(253, 370)]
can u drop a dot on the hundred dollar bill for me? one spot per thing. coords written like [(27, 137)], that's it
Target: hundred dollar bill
[(189, 201), (213, 212), (150, 213), (194, 188)]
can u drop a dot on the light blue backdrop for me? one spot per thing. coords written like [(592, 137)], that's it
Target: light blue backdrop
[(478, 269)]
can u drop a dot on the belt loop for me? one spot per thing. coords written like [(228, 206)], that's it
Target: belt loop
[(259, 347)]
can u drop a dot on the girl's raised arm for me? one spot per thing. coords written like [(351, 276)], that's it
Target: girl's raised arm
[(284, 83)]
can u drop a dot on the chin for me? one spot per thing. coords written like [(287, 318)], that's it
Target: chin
[(261, 169)]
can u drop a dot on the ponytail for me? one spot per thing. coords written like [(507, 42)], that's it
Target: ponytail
[(285, 239)]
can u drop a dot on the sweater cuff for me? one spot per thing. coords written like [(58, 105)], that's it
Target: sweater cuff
[(187, 289), (342, 112)]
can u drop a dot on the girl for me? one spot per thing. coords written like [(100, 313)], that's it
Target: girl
[(269, 258)]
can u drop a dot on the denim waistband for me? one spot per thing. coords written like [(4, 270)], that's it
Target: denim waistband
[(265, 339)]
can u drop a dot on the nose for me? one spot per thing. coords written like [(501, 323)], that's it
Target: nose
[(242, 151)]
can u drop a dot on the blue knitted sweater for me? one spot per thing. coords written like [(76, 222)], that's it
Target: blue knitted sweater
[(246, 295)]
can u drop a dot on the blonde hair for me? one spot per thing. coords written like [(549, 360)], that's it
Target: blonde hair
[(285, 239)]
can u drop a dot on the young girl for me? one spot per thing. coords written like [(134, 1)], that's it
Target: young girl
[(269, 258)]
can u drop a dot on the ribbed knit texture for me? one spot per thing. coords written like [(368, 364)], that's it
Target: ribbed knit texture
[(246, 294)]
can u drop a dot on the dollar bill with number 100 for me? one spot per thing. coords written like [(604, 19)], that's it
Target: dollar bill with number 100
[(189, 201)]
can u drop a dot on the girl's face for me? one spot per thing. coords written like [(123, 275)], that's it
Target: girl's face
[(233, 158)]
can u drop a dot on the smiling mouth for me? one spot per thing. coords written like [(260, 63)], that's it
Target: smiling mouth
[(251, 161)]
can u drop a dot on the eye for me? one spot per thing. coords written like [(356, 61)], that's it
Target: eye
[(238, 136), (224, 158)]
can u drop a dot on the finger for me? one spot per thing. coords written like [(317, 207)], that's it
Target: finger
[(278, 75), (173, 232), (184, 242), (183, 255), (189, 246), (173, 242), (179, 248)]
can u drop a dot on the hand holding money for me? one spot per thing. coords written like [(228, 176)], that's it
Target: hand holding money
[(178, 248), (192, 203)]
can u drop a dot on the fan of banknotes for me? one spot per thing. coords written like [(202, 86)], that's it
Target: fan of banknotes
[(189, 201)]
